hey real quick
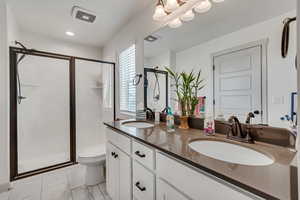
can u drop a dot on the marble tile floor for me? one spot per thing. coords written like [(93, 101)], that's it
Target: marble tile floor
[(97, 192)]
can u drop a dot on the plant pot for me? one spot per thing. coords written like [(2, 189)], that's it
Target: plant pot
[(184, 123), (196, 122)]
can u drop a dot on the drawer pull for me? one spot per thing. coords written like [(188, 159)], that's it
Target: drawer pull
[(139, 154), (116, 155), (113, 153), (139, 187)]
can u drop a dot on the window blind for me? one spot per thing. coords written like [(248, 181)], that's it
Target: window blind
[(127, 74)]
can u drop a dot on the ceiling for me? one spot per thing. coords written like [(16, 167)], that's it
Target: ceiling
[(53, 18), (223, 18)]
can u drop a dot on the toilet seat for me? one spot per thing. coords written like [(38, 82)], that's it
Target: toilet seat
[(92, 155)]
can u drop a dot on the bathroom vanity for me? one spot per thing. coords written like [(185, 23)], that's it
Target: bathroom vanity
[(150, 163)]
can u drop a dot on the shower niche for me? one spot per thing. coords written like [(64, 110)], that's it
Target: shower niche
[(56, 104)]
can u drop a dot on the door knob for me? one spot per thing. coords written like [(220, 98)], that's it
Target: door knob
[(257, 112)]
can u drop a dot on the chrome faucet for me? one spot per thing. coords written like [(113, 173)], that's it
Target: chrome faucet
[(237, 133)]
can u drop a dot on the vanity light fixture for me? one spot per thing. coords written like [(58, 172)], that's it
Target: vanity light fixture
[(69, 33), (218, 1), (167, 7), (175, 23), (171, 5), (188, 16), (159, 13), (203, 6)]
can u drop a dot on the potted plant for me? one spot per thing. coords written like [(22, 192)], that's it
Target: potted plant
[(187, 86)]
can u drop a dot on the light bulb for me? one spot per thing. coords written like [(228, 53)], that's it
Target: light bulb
[(69, 33), (175, 23), (188, 16), (218, 1), (159, 13), (171, 5), (203, 6)]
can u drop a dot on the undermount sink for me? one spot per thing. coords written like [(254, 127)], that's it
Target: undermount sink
[(231, 153), (138, 124)]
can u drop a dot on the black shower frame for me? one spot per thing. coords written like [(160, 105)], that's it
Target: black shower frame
[(13, 51)]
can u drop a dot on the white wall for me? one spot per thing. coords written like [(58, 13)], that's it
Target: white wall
[(298, 111), (162, 60), (282, 75), (12, 27), (135, 32), (4, 96), (44, 43)]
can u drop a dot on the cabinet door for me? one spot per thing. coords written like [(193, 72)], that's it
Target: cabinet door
[(166, 192), (118, 173), (112, 172), (124, 167)]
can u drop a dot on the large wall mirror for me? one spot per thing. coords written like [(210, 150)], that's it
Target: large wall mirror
[(239, 52)]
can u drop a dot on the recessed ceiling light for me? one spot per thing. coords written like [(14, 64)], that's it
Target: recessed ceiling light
[(69, 33)]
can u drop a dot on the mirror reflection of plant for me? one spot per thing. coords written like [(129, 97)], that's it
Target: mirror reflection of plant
[(187, 86)]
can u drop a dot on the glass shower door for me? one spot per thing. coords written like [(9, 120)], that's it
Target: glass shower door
[(43, 112)]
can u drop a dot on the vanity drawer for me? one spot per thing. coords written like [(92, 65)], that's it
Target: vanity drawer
[(119, 140), (143, 183), (199, 185), (143, 154)]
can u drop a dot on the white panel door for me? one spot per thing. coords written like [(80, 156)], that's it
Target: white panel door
[(238, 83)]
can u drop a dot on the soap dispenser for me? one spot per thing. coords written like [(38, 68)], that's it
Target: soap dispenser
[(170, 120)]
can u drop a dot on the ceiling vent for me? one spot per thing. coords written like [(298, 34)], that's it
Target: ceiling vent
[(151, 38), (83, 14)]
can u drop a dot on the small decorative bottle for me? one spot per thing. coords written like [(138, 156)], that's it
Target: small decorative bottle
[(209, 126), (170, 121)]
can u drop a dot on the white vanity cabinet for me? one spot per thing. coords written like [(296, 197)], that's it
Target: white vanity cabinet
[(138, 171), (143, 182), (166, 192), (197, 184), (118, 171), (143, 171)]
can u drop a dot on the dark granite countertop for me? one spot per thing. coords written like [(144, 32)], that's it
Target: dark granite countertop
[(275, 181)]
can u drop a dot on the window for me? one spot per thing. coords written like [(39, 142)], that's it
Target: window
[(127, 74)]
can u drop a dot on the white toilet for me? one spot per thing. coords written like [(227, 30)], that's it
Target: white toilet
[(94, 160)]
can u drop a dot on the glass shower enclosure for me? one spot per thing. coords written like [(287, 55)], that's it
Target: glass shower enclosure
[(43, 108)]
